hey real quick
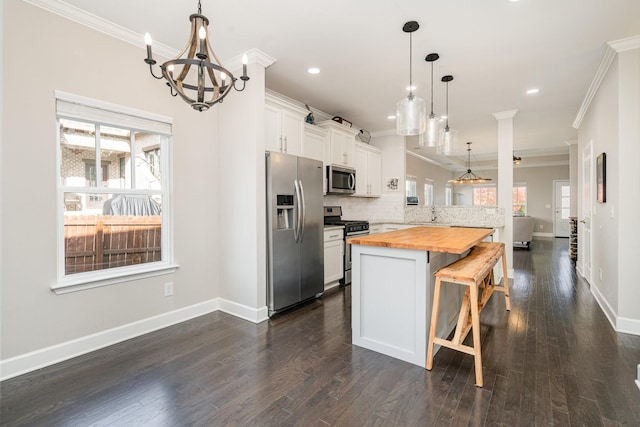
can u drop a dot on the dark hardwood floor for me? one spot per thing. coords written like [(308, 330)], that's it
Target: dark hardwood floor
[(553, 360)]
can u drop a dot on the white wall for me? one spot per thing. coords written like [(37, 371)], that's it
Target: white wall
[(81, 61), (612, 125), (422, 169)]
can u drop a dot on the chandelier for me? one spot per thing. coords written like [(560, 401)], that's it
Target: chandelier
[(516, 159), (434, 123), (207, 79), (469, 177)]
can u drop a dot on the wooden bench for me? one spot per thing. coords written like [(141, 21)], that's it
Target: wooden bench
[(475, 271)]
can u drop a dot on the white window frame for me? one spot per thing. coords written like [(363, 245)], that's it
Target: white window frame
[(526, 201), (75, 107), (428, 192), (477, 186)]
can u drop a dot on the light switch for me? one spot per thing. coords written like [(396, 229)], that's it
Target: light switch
[(548, 206)]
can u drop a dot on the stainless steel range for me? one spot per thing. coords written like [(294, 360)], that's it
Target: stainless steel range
[(333, 216)]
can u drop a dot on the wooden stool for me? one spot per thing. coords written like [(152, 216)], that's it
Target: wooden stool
[(475, 271)]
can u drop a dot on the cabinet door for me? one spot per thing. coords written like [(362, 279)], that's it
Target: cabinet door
[(374, 174), (349, 147), (273, 128), (333, 261), (292, 132), (360, 164), (313, 146), (338, 156)]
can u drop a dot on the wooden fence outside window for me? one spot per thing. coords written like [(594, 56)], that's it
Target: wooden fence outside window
[(97, 242)]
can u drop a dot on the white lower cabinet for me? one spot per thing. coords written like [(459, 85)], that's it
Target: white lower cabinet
[(333, 257)]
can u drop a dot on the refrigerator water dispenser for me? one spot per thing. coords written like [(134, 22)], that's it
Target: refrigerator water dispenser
[(284, 211)]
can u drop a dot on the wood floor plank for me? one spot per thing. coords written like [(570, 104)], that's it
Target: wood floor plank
[(552, 360)]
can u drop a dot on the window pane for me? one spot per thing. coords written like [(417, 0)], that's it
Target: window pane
[(77, 153), (566, 191), (148, 172), (115, 154), (411, 187), (565, 213), (126, 230), (484, 196)]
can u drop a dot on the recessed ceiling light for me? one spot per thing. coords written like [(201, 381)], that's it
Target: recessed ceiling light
[(313, 70), (411, 88), (391, 117), (532, 91)]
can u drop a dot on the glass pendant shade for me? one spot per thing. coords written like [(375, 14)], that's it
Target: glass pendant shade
[(432, 134), (411, 116), (448, 142)]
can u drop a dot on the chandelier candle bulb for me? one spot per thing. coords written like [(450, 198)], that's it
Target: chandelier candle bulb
[(203, 35), (147, 41), (245, 61)]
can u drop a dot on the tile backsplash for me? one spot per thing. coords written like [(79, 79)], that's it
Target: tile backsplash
[(390, 208)]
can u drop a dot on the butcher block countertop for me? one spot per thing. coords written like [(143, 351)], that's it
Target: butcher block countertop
[(435, 239)]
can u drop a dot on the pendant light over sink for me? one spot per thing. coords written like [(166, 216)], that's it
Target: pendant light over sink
[(207, 79), (448, 136), (434, 123), (469, 177), (411, 111)]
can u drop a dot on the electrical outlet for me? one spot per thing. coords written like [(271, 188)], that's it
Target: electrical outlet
[(168, 289)]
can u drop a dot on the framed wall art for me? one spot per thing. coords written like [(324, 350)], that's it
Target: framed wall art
[(601, 177)]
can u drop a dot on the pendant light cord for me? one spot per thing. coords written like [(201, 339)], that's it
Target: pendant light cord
[(431, 88), (410, 65), (447, 126), (199, 8)]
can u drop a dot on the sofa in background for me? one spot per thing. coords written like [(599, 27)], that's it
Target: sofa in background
[(523, 229)]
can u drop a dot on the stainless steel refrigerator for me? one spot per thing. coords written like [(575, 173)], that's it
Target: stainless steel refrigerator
[(295, 247)]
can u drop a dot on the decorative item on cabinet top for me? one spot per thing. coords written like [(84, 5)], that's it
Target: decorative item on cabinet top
[(364, 136), (342, 121)]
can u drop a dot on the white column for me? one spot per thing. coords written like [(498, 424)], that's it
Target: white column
[(505, 179)]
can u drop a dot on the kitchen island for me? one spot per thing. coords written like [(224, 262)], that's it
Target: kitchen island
[(392, 287)]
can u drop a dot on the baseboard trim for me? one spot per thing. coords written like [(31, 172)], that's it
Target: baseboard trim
[(628, 326), (255, 315), (608, 311), (28, 362), (620, 324)]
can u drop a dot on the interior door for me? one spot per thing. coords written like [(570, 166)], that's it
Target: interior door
[(562, 193), (584, 241)]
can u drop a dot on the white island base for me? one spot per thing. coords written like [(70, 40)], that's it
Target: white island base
[(392, 292)]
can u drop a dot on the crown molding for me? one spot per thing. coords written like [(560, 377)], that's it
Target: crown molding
[(509, 114), (623, 45), (613, 47), (97, 23), (386, 132), (254, 56)]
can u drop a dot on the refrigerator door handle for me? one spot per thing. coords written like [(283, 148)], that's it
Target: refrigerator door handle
[(298, 213), (303, 216)]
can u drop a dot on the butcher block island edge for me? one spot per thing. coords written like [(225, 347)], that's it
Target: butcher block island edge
[(392, 287)]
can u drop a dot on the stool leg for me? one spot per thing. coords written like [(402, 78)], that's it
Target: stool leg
[(475, 326), (434, 323), (505, 279)]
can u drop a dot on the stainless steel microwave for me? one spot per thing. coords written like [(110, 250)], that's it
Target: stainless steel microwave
[(341, 180)]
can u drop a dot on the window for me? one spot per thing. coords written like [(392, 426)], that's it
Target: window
[(448, 195), (411, 186), (114, 219), (428, 192), (484, 195), (520, 199)]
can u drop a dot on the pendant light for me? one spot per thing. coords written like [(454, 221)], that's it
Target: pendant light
[(469, 177), (411, 111), (448, 136), (516, 159), (434, 123)]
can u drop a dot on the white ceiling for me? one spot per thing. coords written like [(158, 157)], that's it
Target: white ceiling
[(495, 49)]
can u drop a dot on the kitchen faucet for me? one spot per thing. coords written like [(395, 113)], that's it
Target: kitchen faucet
[(434, 216)]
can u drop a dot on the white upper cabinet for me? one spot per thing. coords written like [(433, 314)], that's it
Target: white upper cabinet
[(315, 140), (368, 165), (284, 127), (342, 143)]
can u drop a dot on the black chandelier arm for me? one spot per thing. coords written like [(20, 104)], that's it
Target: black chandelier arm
[(151, 64), (244, 83)]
